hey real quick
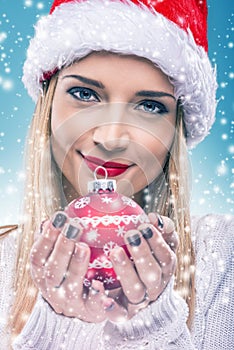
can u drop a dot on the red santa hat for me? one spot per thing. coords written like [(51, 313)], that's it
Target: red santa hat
[(170, 33)]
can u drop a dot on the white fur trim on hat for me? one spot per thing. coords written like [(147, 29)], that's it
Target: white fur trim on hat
[(75, 29)]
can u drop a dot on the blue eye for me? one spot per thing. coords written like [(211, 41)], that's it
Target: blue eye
[(83, 94), (153, 107)]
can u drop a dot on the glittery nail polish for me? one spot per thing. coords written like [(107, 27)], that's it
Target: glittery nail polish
[(134, 240), (147, 232), (59, 220), (71, 232)]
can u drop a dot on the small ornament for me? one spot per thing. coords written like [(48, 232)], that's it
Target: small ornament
[(105, 216)]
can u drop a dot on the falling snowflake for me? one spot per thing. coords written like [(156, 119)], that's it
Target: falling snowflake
[(93, 235), (120, 231), (82, 202), (108, 247), (107, 200), (128, 201)]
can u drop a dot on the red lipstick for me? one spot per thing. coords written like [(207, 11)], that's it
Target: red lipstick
[(113, 168)]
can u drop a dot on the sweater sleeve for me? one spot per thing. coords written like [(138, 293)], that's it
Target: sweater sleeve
[(7, 259), (214, 247), (46, 330), (161, 324)]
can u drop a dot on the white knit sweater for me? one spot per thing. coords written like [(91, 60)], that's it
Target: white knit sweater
[(160, 326)]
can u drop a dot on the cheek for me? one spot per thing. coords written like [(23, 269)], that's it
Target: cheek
[(158, 139), (157, 147)]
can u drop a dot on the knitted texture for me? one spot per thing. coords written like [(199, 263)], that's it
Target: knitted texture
[(125, 28), (162, 325), (7, 260)]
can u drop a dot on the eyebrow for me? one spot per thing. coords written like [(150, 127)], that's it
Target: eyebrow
[(86, 80), (142, 93), (146, 93)]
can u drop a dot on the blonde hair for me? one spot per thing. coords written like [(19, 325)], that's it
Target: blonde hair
[(44, 196)]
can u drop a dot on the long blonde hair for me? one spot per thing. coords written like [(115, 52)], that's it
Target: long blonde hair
[(44, 196)]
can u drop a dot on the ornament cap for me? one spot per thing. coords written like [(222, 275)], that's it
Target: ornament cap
[(101, 185)]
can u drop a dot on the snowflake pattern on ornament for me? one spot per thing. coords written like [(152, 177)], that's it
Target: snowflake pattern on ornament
[(92, 235), (82, 202), (128, 201), (107, 200), (120, 231), (109, 280), (108, 247)]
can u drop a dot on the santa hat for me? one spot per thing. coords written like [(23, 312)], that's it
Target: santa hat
[(170, 33)]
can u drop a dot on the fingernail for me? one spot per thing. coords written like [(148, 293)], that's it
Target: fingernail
[(108, 305), (118, 255), (147, 232), (71, 231), (134, 240), (94, 291), (160, 222), (80, 252), (59, 220)]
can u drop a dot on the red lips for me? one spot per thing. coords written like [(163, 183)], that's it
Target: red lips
[(112, 168)]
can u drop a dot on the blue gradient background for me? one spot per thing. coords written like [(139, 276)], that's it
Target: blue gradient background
[(212, 160)]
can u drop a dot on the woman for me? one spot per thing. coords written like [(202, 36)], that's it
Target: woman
[(129, 85)]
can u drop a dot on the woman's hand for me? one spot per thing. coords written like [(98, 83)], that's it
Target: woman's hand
[(58, 266), (144, 277)]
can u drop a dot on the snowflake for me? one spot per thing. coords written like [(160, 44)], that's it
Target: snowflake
[(120, 231), (93, 235), (109, 280), (128, 201), (107, 200), (82, 202), (108, 247)]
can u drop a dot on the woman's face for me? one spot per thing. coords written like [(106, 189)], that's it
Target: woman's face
[(115, 111)]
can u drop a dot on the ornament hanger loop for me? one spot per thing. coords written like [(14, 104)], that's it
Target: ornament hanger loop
[(96, 170), (101, 185)]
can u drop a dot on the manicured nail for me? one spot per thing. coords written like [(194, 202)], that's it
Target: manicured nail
[(147, 232), (59, 220), (109, 305), (134, 240), (71, 231), (94, 291), (160, 222)]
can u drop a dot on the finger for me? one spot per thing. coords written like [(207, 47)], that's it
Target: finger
[(97, 302), (42, 248), (162, 252), (132, 286), (114, 309), (57, 264), (117, 313), (166, 226), (77, 269), (147, 266)]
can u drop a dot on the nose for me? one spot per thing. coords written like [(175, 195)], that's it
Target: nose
[(112, 135)]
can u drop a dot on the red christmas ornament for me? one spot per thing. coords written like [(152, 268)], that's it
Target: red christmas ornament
[(105, 216)]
